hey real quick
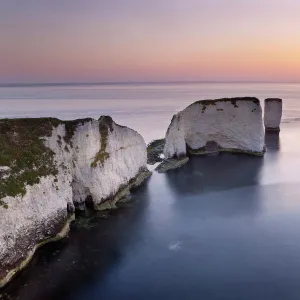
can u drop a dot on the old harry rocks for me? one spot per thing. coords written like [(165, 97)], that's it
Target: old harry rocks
[(49, 167)]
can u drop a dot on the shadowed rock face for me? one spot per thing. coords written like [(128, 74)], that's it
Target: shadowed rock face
[(47, 166), (273, 114), (171, 163), (154, 151), (230, 124), (212, 146)]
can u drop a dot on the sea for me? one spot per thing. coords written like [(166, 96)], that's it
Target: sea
[(223, 227)]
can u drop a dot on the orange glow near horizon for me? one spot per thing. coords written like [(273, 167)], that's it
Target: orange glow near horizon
[(212, 44)]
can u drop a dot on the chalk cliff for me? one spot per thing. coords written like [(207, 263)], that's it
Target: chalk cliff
[(48, 167), (229, 124), (272, 114)]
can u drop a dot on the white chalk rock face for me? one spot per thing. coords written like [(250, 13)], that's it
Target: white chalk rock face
[(175, 138), (230, 124), (47, 166), (273, 114)]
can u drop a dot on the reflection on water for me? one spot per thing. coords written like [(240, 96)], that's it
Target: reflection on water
[(213, 173), (272, 141), (221, 227)]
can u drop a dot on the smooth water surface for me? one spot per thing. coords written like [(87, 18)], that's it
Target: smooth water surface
[(221, 227)]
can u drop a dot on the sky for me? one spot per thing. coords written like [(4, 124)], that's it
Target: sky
[(143, 40)]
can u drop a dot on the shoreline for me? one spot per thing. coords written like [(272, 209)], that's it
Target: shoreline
[(123, 193), (14, 272)]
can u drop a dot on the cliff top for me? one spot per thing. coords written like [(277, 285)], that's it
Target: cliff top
[(24, 157), (273, 100), (231, 100)]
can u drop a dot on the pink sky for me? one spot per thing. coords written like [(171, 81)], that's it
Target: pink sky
[(136, 40)]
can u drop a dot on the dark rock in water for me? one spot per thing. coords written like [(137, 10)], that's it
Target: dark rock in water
[(154, 151), (172, 163)]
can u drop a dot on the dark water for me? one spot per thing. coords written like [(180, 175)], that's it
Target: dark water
[(221, 227)]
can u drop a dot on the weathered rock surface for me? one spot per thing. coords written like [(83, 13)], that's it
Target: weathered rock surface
[(171, 163), (273, 114), (155, 149), (208, 126), (48, 167)]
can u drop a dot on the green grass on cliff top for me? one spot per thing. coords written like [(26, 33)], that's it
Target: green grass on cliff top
[(22, 149)]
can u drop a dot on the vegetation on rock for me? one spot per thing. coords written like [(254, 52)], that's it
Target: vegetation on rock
[(154, 151), (105, 124), (203, 151), (233, 101), (71, 127), (24, 153), (22, 149)]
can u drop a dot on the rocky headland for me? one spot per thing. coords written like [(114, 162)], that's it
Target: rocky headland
[(49, 168), (212, 126)]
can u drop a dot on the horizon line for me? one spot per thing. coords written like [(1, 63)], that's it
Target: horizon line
[(45, 84)]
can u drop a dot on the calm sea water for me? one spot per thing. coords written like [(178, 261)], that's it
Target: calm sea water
[(147, 108), (221, 227)]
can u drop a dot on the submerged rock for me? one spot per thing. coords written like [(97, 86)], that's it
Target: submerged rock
[(209, 126), (48, 167), (171, 163), (273, 114)]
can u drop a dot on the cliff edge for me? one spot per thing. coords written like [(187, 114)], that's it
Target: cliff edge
[(206, 126), (49, 167), (273, 114)]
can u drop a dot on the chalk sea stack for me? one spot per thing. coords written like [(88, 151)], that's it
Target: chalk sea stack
[(209, 126), (273, 114), (48, 168)]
